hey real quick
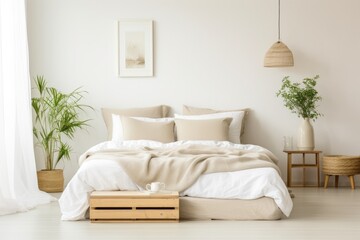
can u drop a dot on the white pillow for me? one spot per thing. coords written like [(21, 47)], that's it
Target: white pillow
[(235, 125), (117, 128)]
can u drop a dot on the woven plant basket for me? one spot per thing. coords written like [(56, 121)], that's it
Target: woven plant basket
[(341, 165), (51, 180)]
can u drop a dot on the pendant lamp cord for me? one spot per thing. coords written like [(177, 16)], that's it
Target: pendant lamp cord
[(279, 21)]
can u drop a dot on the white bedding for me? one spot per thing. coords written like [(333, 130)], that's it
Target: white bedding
[(108, 175)]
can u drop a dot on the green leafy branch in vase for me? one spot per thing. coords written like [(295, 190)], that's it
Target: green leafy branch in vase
[(301, 98)]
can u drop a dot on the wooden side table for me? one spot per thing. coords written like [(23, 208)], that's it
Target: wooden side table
[(302, 165)]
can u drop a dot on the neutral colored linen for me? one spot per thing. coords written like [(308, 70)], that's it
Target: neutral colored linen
[(234, 127), (179, 167), (136, 129), (151, 112), (106, 174), (189, 110), (203, 129), (118, 128)]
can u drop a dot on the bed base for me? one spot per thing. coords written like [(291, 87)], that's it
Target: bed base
[(191, 208), (229, 209)]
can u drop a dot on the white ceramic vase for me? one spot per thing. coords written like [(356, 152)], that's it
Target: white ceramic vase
[(306, 136)]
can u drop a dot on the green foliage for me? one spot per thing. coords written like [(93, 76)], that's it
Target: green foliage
[(56, 117), (301, 98)]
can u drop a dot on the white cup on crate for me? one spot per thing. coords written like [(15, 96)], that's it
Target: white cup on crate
[(155, 186)]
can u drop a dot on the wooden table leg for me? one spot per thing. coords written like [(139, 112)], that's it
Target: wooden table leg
[(303, 158), (318, 167), (352, 181), (326, 181), (336, 181), (289, 170)]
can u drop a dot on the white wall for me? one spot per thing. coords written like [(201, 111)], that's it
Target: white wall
[(207, 53)]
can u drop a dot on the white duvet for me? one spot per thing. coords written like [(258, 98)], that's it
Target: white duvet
[(108, 175)]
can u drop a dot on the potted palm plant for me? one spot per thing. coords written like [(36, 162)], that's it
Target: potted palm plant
[(56, 120), (302, 99)]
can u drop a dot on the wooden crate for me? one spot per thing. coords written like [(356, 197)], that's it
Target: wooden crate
[(134, 206)]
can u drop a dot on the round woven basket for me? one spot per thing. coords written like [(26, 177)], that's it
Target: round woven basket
[(341, 165)]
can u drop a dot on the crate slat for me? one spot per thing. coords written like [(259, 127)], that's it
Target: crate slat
[(134, 214), (134, 220), (128, 202)]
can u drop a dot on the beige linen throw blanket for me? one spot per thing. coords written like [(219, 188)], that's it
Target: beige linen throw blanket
[(179, 167)]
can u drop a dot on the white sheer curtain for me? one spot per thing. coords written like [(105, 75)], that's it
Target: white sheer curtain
[(18, 183)]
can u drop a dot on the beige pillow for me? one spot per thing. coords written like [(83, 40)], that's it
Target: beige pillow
[(134, 129), (151, 112), (235, 125), (209, 129), (188, 110)]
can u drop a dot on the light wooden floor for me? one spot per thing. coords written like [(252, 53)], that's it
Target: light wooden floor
[(318, 214)]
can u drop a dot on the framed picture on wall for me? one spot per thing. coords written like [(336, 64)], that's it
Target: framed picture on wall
[(135, 48)]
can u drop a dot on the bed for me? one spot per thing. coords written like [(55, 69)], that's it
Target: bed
[(217, 179)]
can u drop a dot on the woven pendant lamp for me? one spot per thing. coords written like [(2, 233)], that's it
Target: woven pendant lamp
[(279, 55)]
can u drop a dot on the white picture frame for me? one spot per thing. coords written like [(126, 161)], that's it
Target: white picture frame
[(135, 48)]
